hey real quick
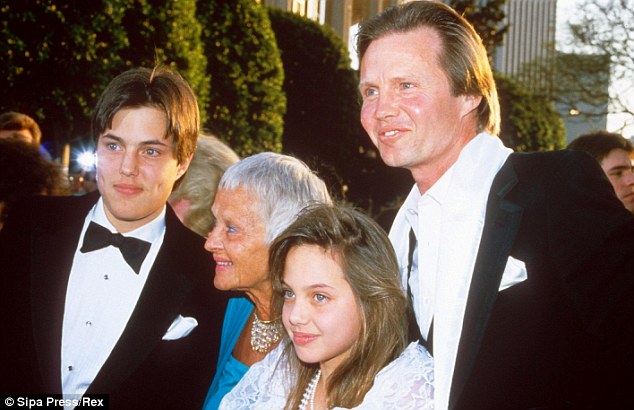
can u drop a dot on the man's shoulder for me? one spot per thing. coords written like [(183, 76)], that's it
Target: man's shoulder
[(546, 164), (64, 204), (175, 230), (183, 246), (556, 158), (50, 211)]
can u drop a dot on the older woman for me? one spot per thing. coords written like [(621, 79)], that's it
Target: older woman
[(257, 198)]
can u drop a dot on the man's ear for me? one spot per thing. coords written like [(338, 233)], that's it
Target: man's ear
[(182, 167), (471, 102)]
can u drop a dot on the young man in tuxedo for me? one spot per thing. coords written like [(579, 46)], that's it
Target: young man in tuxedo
[(109, 292), (519, 266)]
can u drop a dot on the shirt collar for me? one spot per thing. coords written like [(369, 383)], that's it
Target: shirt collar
[(470, 176), (149, 232), (472, 179)]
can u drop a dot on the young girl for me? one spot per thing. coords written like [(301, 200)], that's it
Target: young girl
[(338, 290)]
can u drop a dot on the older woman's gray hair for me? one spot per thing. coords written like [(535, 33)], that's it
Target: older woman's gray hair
[(283, 185)]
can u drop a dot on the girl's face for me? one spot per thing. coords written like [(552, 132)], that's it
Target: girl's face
[(320, 313)]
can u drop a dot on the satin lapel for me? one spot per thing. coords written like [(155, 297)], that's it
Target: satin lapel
[(55, 235), (159, 304), (500, 229)]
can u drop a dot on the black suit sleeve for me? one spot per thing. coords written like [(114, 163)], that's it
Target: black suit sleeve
[(591, 237), (17, 354)]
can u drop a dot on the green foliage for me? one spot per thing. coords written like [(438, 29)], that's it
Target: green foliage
[(57, 56), (168, 32), (322, 125), (486, 19), (529, 122), (247, 103), (583, 84), (593, 68)]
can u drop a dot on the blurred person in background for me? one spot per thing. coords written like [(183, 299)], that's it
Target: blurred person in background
[(615, 154), (192, 198), (23, 173), (20, 126)]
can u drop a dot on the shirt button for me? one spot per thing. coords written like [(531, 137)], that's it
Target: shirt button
[(88, 323), (70, 368)]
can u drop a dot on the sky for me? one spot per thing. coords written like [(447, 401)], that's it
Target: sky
[(566, 9)]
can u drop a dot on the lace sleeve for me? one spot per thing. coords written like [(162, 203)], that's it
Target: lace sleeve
[(406, 383), (264, 386)]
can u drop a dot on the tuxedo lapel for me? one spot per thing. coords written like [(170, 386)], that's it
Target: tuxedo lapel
[(158, 305), (498, 236), (56, 233)]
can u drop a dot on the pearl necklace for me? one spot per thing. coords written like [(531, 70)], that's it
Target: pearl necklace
[(264, 333), (309, 393)]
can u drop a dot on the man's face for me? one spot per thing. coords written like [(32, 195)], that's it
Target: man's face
[(24, 135), (617, 165), (136, 167), (408, 109)]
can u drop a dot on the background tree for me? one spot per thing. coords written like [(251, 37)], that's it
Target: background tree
[(529, 122), (603, 29), (167, 31), (57, 56), (322, 125), (247, 103), (486, 18)]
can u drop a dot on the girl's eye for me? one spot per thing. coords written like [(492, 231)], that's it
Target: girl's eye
[(320, 298), (288, 294)]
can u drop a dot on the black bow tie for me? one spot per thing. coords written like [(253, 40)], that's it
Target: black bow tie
[(132, 249)]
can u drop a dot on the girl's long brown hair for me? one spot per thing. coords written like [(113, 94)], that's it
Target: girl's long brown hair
[(370, 267)]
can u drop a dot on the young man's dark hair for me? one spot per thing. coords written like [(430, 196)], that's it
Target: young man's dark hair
[(600, 143), (23, 173), (161, 88)]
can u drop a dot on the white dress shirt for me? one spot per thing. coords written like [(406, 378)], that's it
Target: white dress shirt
[(448, 220), (101, 295)]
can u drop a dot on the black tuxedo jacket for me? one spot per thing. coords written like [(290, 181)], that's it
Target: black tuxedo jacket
[(37, 246), (563, 338)]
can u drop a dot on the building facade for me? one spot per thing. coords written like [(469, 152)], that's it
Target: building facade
[(529, 43), (342, 15)]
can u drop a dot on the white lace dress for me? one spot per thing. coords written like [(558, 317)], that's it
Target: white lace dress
[(406, 383)]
